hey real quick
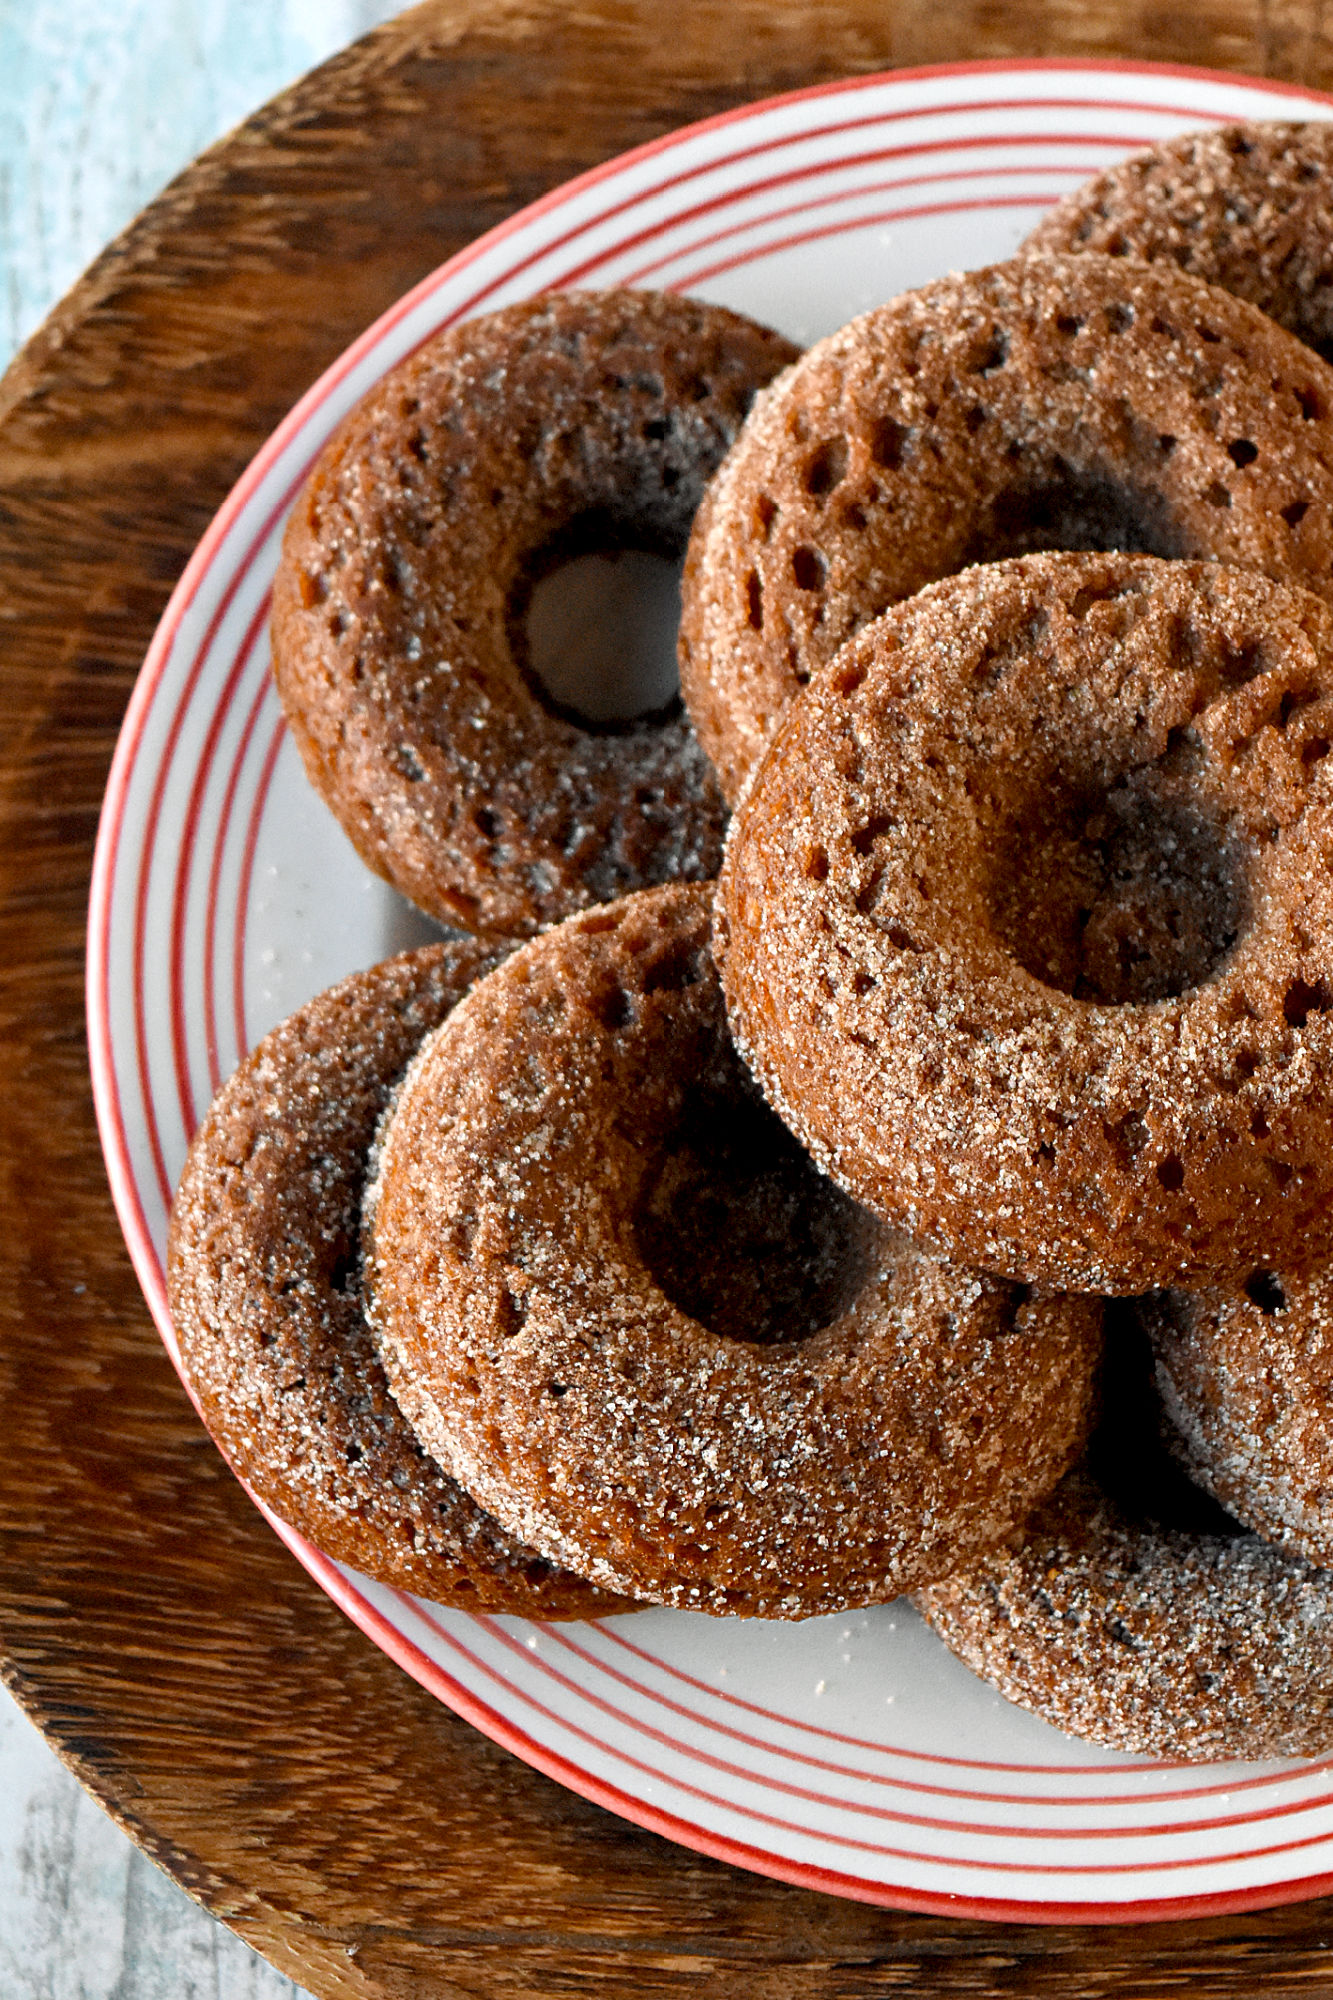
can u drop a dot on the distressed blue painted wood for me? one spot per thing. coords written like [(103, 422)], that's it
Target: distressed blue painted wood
[(102, 101)]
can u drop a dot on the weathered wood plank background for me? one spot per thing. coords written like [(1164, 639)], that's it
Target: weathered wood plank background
[(101, 103)]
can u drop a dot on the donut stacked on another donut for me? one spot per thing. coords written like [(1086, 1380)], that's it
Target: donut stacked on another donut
[(1052, 403), (1027, 921), (264, 1274), (1025, 927), (1247, 1382), (712, 1374), (1246, 207), (624, 1309), (1137, 1614)]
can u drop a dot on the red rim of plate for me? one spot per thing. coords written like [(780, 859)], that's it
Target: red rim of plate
[(388, 1637)]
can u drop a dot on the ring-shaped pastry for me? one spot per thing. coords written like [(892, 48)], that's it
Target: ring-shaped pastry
[(265, 1286), (570, 424), (1247, 1381), (635, 1322), (1026, 921), (1246, 207), (1134, 1613), (1052, 403)]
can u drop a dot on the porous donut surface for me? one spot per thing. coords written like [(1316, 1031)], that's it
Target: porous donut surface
[(397, 635), (546, 1173), (1135, 1611), (1247, 207), (265, 1287), (1148, 1638), (1026, 919), (1056, 402), (1247, 1380)]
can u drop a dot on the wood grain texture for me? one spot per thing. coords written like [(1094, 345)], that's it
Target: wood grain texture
[(84, 1915), (280, 1767)]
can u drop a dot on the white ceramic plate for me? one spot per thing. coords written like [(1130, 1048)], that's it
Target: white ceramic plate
[(852, 1754)]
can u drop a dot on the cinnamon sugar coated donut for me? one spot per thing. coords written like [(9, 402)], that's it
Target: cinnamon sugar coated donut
[(584, 422), (1247, 207), (264, 1278), (1148, 1640), (1136, 1614), (1247, 1381), (1026, 921), (618, 1301), (1059, 402)]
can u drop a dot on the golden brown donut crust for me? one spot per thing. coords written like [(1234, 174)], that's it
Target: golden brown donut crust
[(397, 635), (1135, 1613), (264, 1277), (1247, 1381), (1148, 1639), (546, 1173), (1055, 402), (1246, 207), (1026, 921)]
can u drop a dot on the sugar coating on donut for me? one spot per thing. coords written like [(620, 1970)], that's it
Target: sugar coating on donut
[(637, 1324), (567, 424), (1170, 1645), (265, 1286), (1246, 207), (1247, 1380), (1052, 403), (1026, 920), (1135, 1614)]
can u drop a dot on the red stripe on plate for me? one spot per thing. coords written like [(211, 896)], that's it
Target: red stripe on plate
[(617, 1638), (499, 1726), (214, 889), (748, 190), (840, 1802), (560, 1636), (795, 241), (562, 1722), (643, 272), (247, 871), (180, 1042)]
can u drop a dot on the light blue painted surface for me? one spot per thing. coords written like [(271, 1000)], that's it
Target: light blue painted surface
[(101, 102)]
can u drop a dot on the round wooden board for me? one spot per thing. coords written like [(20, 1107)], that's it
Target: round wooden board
[(280, 1767)]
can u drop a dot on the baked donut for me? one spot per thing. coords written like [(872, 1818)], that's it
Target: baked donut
[(264, 1278), (1247, 1381), (1246, 207), (618, 1301), (1026, 921), (1136, 1614), (566, 425), (1059, 402)]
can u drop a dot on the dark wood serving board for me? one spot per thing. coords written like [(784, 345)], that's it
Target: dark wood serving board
[(282, 1769)]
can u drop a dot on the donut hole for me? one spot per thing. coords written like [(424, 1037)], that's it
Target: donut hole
[(593, 623), (1264, 1289), (826, 468), (1302, 999), (1122, 896), (738, 1227), (1069, 508)]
